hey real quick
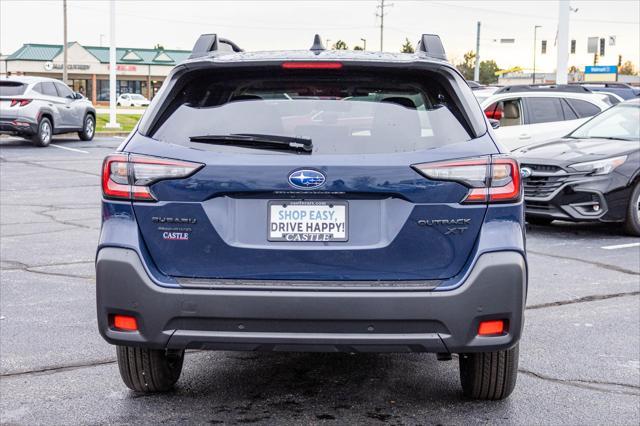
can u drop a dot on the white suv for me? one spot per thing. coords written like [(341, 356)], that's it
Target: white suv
[(531, 115), (37, 108)]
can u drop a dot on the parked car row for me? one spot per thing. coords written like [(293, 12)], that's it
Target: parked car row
[(590, 174), (580, 156)]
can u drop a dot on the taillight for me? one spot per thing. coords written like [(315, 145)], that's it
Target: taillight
[(489, 179), (313, 65), (20, 102), (129, 177)]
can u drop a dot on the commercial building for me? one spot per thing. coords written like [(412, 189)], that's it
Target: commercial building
[(138, 70)]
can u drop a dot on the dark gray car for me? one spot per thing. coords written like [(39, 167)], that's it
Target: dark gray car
[(37, 108)]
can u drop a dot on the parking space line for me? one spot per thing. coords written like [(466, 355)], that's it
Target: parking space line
[(621, 246), (69, 149)]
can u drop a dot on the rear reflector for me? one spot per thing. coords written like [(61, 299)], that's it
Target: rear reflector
[(312, 65), (491, 328), (129, 177), (125, 323), (489, 179)]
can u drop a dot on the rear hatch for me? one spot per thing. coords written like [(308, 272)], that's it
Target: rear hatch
[(10, 95), (308, 174)]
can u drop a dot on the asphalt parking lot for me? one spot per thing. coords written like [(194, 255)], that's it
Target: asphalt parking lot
[(579, 358)]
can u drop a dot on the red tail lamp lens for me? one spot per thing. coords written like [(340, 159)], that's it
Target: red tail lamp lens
[(129, 177), (20, 102), (312, 65), (489, 179), (125, 323), (491, 328)]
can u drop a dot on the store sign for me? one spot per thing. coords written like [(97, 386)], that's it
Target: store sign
[(601, 69), (50, 66), (125, 68)]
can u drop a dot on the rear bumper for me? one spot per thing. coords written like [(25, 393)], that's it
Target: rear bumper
[(309, 321), (18, 126)]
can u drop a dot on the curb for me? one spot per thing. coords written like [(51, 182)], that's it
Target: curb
[(112, 133)]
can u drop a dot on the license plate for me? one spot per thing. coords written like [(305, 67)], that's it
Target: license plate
[(308, 221)]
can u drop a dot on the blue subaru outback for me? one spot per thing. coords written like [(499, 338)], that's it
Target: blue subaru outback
[(313, 200)]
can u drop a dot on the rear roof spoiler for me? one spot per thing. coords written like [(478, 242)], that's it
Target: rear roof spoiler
[(430, 45), (208, 43)]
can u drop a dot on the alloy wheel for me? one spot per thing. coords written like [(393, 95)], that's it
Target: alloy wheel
[(45, 132)]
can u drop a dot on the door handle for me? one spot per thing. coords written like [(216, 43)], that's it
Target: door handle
[(525, 136)]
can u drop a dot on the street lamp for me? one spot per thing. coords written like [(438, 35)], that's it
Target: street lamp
[(535, 34), (364, 41)]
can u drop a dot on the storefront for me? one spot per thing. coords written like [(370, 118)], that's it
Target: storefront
[(139, 71)]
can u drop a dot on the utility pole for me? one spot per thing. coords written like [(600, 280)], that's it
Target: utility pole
[(535, 47), (112, 124), (476, 71), (563, 42), (64, 46), (364, 41), (380, 15)]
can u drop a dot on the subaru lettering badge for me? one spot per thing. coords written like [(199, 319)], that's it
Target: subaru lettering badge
[(525, 172), (306, 179)]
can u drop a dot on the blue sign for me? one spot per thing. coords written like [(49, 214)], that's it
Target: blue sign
[(601, 69)]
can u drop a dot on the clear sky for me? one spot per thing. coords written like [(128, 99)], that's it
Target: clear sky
[(269, 25)]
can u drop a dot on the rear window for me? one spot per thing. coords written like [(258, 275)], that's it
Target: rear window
[(544, 110), (12, 88), (346, 115), (583, 108)]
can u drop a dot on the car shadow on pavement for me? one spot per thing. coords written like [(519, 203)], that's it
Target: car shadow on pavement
[(254, 387), (579, 229)]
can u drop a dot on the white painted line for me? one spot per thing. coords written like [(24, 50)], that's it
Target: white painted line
[(621, 246), (69, 149)]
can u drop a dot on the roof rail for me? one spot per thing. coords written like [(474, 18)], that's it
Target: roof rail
[(603, 83), (431, 45), (543, 88), (208, 43)]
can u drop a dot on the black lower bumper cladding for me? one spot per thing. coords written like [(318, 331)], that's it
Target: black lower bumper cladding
[(296, 319)]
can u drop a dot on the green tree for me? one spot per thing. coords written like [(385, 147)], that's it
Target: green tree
[(158, 46), (627, 68), (467, 66), (407, 47), (357, 48), (488, 72), (340, 45)]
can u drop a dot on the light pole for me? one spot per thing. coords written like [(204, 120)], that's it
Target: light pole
[(364, 41), (535, 46), (112, 124)]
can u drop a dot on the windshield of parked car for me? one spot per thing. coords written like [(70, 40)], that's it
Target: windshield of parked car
[(341, 116), (619, 122), (12, 88)]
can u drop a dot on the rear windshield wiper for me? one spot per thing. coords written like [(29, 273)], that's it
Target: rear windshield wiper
[(258, 141)]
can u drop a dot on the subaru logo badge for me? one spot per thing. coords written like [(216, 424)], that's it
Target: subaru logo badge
[(306, 179), (525, 172)]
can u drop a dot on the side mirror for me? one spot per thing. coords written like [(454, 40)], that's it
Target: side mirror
[(494, 123)]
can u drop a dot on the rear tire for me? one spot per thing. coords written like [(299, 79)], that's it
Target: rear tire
[(537, 220), (44, 134), (489, 375), (88, 128), (149, 370), (632, 222)]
